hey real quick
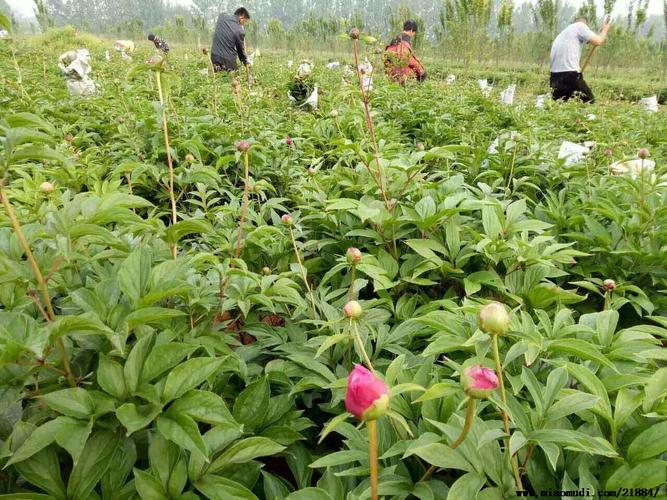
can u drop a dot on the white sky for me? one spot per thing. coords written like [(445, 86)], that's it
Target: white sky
[(25, 7)]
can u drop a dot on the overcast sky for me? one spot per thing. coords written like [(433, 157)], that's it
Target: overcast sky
[(25, 7)]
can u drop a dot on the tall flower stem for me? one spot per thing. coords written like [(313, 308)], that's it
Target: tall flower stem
[(357, 338), (303, 270), (165, 130), (373, 457), (467, 426), (506, 420), (350, 294), (379, 177), (41, 282), (244, 206)]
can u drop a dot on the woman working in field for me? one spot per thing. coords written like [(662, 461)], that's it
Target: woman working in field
[(400, 62)]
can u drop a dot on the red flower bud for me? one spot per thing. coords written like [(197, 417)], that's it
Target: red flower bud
[(354, 33), (366, 397), (289, 141), (609, 285), (287, 219), (643, 153), (479, 381)]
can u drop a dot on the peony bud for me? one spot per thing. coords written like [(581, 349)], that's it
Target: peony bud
[(353, 309), (204, 51), (266, 271), (311, 171), (242, 146), (289, 141), (287, 219), (189, 158), (493, 319), (609, 285), (354, 33), (608, 152), (643, 153), (478, 381), (420, 146), (353, 255), (46, 187), (334, 113), (69, 137), (366, 397)]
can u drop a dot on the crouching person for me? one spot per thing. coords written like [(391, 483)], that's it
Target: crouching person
[(400, 62)]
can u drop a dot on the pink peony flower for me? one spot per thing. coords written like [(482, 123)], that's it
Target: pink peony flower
[(353, 309), (479, 381), (242, 146), (493, 319), (366, 397), (289, 141), (353, 255)]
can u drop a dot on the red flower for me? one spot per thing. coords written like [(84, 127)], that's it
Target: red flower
[(367, 397)]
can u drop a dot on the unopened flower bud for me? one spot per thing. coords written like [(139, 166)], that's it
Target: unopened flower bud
[(46, 187), (189, 158), (287, 219), (643, 153), (289, 141), (266, 271), (493, 319), (353, 309), (242, 146), (609, 285), (479, 382), (354, 33), (353, 255), (366, 396)]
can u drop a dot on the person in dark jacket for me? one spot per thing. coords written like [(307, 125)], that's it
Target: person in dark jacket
[(229, 41)]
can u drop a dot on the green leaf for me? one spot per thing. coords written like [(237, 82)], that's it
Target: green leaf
[(439, 390), (581, 349), (36, 153), (164, 357), (73, 436), (135, 417), (43, 470), (74, 402), (251, 406), (309, 493), (189, 375), (135, 362), (332, 424), (203, 406), (134, 274), (110, 377), (220, 488), (441, 456), (572, 403), (340, 458), (627, 401), (467, 486), (148, 487), (517, 441), (152, 316), (93, 463), (183, 431), (245, 450), (39, 439), (650, 443)]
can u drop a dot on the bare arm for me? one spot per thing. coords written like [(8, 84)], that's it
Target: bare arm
[(600, 39)]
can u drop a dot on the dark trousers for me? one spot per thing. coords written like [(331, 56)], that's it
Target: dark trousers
[(570, 84), (222, 64)]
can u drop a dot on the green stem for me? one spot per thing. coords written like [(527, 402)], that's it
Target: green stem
[(244, 207), (467, 426), (350, 295), (373, 457), (357, 337), (506, 420), (303, 271), (38, 275)]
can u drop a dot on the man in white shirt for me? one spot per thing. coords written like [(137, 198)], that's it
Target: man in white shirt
[(566, 78)]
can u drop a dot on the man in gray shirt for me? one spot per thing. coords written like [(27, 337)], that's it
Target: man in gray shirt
[(566, 78), (229, 40)]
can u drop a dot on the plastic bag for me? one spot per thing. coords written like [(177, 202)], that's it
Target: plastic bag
[(313, 100), (507, 95), (290, 63), (305, 69), (75, 66), (541, 101), (484, 87), (333, 65), (366, 71), (632, 167), (124, 46), (450, 79), (572, 153), (650, 103)]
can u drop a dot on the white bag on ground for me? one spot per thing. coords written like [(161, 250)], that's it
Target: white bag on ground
[(290, 63), (333, 65), (484, 87), (633, 168), (107, 56), (507, 95), (450, 79), (572, 153), (650, 103), (541, 101), (313, 100), (75, 66)]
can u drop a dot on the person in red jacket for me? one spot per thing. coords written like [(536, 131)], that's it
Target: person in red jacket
[(400, 62)]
